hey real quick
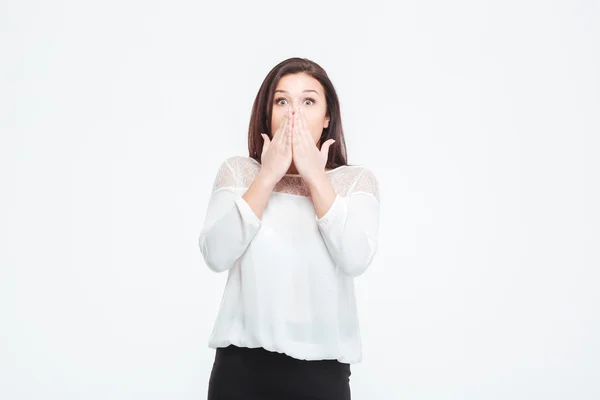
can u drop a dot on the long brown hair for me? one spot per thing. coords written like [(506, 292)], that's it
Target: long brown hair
[(260, 120)]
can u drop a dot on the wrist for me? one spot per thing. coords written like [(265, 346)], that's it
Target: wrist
[(316, 179), (267, 178)]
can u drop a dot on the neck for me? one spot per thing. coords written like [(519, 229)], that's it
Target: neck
[(292, 169)]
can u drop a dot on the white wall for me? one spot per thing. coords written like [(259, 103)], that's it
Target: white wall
[(481, 120)]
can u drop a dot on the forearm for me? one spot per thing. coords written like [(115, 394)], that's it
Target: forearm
[(350, 230), (257, 195), (322, 193)]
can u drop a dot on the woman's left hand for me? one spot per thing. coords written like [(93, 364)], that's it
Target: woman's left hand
[(308, 159)]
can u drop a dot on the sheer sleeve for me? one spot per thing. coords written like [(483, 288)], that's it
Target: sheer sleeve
[(230, 224), (350, 226)]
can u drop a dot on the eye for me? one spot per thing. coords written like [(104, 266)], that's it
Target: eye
[(279, 99)]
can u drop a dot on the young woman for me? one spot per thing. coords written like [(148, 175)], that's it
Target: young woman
[(293, 224)]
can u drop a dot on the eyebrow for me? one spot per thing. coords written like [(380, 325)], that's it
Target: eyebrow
[(309, 90)]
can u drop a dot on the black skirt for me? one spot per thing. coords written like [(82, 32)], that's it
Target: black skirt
[(249, 374)]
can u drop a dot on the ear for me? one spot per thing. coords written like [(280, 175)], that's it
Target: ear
[(326, 123)]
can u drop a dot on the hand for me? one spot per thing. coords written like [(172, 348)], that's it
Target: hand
[(308, 159), (276, 156)]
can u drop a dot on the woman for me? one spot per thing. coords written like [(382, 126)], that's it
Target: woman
[(293, 224)]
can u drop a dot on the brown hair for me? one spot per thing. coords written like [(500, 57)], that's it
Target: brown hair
[(260, 120)]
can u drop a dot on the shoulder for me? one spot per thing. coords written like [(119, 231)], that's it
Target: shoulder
[(239, 163), (364, 172), (354, 172), (244, 162), (357, 179), (367, 183), (236, 171)]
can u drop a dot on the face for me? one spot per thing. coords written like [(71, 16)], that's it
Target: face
[(301, 91)]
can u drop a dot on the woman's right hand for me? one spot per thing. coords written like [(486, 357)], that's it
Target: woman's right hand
[(276, 156)]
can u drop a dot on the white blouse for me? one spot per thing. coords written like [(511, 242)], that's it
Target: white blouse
[(290, 283)]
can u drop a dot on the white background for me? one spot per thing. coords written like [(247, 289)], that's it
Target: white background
[(480, 119)]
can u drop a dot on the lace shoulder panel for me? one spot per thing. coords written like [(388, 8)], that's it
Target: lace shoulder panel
[(367, 183), (230, 173)]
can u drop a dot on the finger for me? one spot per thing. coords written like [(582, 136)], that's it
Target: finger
[(325, 147), (303, 128), (282, 127), (283, 132), (296, 131), (289, 130), (266, 142), (289, 123), (284, 122)]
